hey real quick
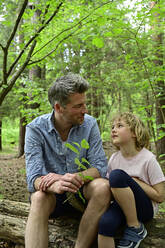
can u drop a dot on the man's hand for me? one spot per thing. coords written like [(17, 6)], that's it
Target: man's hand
[(68, 182), (48, 180)]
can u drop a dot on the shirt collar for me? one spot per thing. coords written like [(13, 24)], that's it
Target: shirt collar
[(51, 122)]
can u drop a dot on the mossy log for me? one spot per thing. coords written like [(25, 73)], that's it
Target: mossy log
[(63, 230)]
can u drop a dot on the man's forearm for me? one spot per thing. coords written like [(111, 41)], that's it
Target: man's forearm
[(37, 183)]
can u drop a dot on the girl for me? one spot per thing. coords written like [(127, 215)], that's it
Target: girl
[(136, 182)]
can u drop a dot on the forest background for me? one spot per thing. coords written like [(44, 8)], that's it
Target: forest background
[(118, 46)]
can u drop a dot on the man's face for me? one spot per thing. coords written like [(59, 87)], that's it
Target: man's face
[(73, 113)]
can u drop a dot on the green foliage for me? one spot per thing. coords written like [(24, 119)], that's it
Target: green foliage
[(79, 162), (1, 196), (10, 131), (116, 46), (22, 171), (72, 148)]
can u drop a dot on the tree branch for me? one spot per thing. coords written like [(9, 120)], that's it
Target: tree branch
[(17, 23), (65, 30), (1, 46), (5, 65), (6, 90), (5, 49), (61, 41), (33, 38)]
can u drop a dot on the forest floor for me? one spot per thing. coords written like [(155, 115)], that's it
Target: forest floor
[(13, 184)]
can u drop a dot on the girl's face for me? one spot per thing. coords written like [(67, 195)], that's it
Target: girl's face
[(121, 133)]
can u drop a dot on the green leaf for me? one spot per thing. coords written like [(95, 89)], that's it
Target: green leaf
[(84, 144), (80, 165), (162, 155), (89, 178), (80, 195), (77, 144), (98, 42), (84, 160), (72, 148)]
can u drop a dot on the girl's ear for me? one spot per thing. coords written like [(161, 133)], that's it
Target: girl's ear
[(133, 135)]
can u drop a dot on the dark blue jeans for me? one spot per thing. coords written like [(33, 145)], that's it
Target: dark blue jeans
[(114, 217)]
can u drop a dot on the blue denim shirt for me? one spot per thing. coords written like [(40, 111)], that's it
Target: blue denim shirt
[(45, 152)]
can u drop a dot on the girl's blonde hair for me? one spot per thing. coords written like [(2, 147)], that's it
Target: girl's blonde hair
[(137, 127)]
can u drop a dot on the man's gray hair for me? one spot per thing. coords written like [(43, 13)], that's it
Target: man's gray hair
[(64, 86)]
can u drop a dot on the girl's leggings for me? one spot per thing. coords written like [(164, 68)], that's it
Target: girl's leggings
[(114, 217)]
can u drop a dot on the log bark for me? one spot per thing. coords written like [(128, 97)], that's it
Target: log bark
[(13, 218), (63, 230)]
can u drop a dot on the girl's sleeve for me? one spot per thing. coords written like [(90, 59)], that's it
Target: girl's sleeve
[(155, 172), (109, 168)]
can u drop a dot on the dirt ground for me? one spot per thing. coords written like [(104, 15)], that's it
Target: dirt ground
[(12, 183), (13, 180)]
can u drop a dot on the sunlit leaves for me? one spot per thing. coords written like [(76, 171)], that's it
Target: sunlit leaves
[(98, 42)]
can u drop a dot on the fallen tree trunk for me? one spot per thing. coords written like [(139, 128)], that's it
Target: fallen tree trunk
[(63, 230), (13, 217)]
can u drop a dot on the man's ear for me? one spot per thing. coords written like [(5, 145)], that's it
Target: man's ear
[(57, 107)]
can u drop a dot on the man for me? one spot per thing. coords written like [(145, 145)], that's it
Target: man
[(51, 168)]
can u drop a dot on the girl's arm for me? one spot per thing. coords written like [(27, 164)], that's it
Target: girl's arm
[(155, 192)]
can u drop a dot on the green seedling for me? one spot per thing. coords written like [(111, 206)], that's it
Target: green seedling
[(80, 161)]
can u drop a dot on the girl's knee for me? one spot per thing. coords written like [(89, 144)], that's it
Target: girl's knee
[(118, 178)]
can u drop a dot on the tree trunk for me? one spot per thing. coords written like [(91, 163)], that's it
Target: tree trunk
[(63, 230), (35, 73), (0, 135), (22, 128), (13, 218), (159, 84)]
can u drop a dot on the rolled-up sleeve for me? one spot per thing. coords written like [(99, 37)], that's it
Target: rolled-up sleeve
[(33, 156), (96, 155)]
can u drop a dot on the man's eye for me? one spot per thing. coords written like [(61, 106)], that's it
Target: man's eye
[(78, 106)]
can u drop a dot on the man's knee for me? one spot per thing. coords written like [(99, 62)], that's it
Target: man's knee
[(41, 201), (99, 190)]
